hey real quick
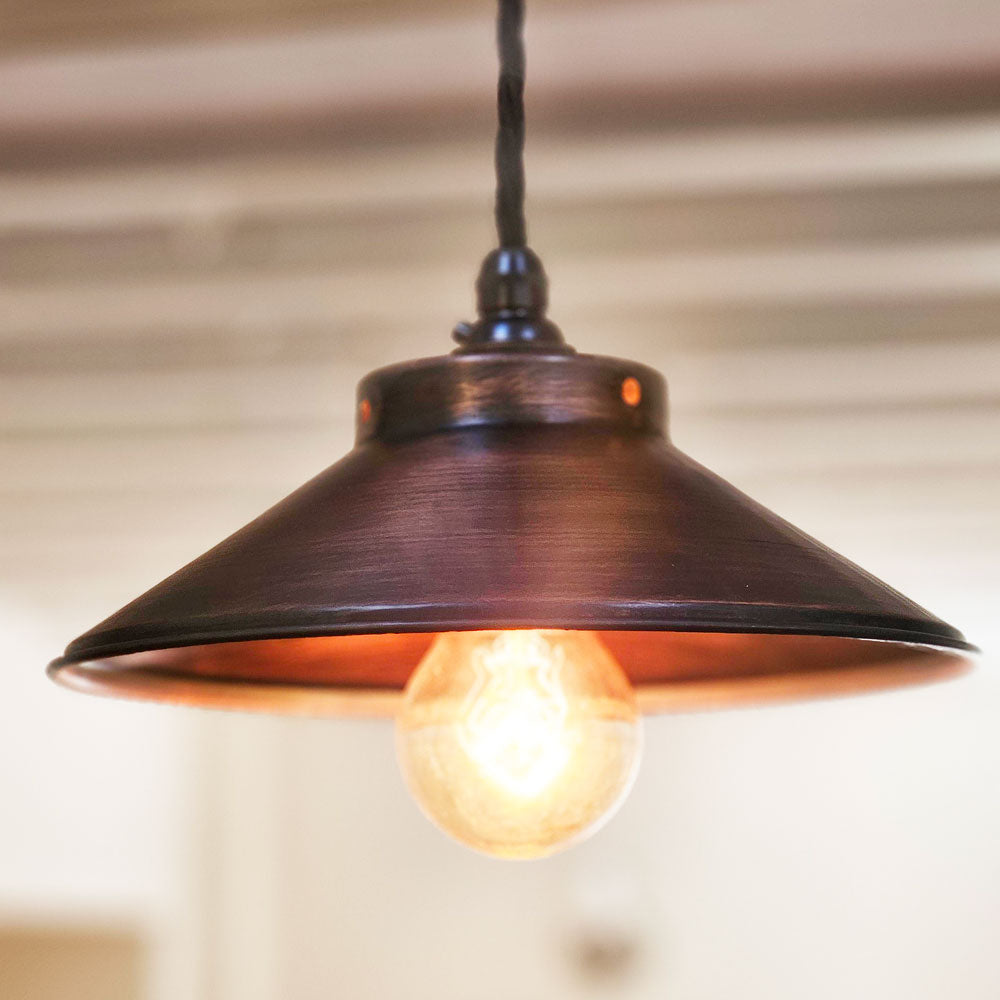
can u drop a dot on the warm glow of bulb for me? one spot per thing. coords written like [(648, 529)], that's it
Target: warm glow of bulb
[(518, 743)]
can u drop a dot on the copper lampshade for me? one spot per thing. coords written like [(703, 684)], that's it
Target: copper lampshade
[(513, 484)]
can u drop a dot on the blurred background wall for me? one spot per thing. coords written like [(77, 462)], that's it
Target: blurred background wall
[(216, 215)]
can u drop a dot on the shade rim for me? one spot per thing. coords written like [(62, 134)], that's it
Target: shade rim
[(687, 618), (929, 664)]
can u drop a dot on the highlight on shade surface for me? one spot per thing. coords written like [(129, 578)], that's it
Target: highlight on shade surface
[(518, 743)]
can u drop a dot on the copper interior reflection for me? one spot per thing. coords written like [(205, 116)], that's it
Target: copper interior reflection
[(364, 674)]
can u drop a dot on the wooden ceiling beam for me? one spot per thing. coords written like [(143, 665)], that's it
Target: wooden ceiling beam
[(622, 64)]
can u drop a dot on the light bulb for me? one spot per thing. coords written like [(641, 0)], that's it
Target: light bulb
[(518, 743)]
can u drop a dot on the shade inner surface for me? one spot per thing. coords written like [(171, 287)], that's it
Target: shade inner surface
[(364, 674)]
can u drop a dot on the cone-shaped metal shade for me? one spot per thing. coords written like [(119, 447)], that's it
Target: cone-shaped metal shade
[(512, 491)]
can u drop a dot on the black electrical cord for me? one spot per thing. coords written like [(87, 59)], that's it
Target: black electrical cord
[(511, 290), (511, 227)]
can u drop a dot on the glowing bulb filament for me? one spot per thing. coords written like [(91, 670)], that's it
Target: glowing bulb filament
[(514, 726), (518, 742)]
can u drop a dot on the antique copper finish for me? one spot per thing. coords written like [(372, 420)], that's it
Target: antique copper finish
[(512, 485)]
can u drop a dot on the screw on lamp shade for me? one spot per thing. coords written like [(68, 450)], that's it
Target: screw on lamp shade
[(506, 488)]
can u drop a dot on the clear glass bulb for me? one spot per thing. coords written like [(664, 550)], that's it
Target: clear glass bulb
[(518, 743)]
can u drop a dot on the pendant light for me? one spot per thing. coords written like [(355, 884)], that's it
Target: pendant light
[(516, 562)]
